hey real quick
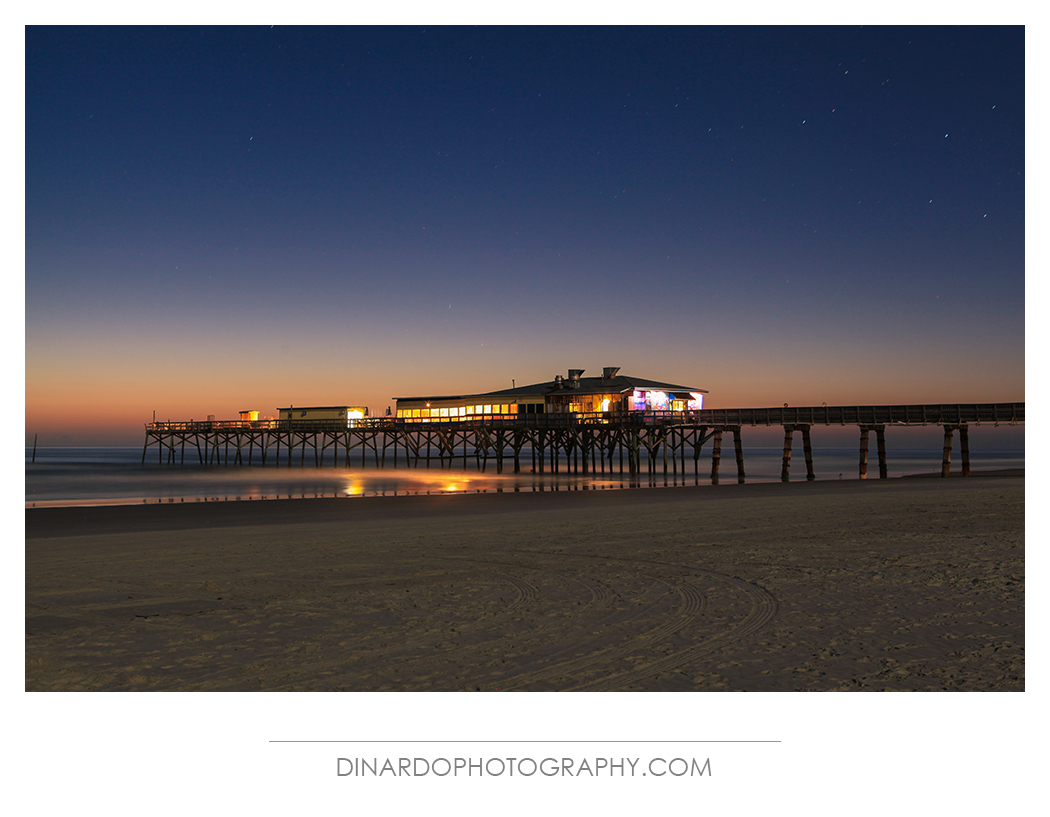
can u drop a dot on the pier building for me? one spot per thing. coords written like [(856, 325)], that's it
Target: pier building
[(308, 414), (595, 398)]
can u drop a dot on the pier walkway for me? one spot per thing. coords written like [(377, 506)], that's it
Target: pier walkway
[(575, 442)]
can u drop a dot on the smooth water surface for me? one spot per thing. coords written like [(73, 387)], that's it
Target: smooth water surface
[(116, 476)]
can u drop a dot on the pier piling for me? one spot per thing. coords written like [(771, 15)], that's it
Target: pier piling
[(738, 445), (964, 449), (880, 442), (807, 450), (716, 455)]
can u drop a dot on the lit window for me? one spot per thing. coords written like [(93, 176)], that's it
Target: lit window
[(658, 400)]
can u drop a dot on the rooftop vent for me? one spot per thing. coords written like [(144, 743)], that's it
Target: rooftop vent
[(609, 372), (574, 378)]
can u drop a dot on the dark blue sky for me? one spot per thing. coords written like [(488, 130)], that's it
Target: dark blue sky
[(247, 217)]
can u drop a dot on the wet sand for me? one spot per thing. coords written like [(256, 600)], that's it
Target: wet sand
[(904, 584)]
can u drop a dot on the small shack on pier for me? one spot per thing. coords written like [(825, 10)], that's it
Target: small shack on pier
[(571, 395), (311, 414)]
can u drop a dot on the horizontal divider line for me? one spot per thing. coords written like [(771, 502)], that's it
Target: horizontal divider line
[(525, 741)]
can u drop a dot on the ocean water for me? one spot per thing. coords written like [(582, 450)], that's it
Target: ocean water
[(116, 476)]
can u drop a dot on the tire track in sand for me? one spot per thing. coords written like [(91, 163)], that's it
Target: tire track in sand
[(596, 607), (692, 602), (762, 609), (526, 598), (397, 657)]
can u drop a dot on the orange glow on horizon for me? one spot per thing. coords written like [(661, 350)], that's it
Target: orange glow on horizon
[(109, 405)]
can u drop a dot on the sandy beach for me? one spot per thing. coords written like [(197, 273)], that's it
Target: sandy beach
[(904, 584)]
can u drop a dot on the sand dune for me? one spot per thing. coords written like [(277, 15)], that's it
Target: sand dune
[(907, 584)]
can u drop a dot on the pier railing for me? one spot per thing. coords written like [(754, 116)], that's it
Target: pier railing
[(506, 421), (901, 415), (904, 415)]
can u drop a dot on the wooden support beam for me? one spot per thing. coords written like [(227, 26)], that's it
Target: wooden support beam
[(863, 452), (716, 455), (738, 446), (946, 461), (964, 449), (807, 449), (880, 442), (785, 468)]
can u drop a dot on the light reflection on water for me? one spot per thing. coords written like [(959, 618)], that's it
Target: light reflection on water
[(55, 485), (68, 477)]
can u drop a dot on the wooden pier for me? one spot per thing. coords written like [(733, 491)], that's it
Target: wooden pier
[(577, 443)]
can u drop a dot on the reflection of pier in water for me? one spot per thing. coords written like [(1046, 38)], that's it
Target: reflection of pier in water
[(603, 442)]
